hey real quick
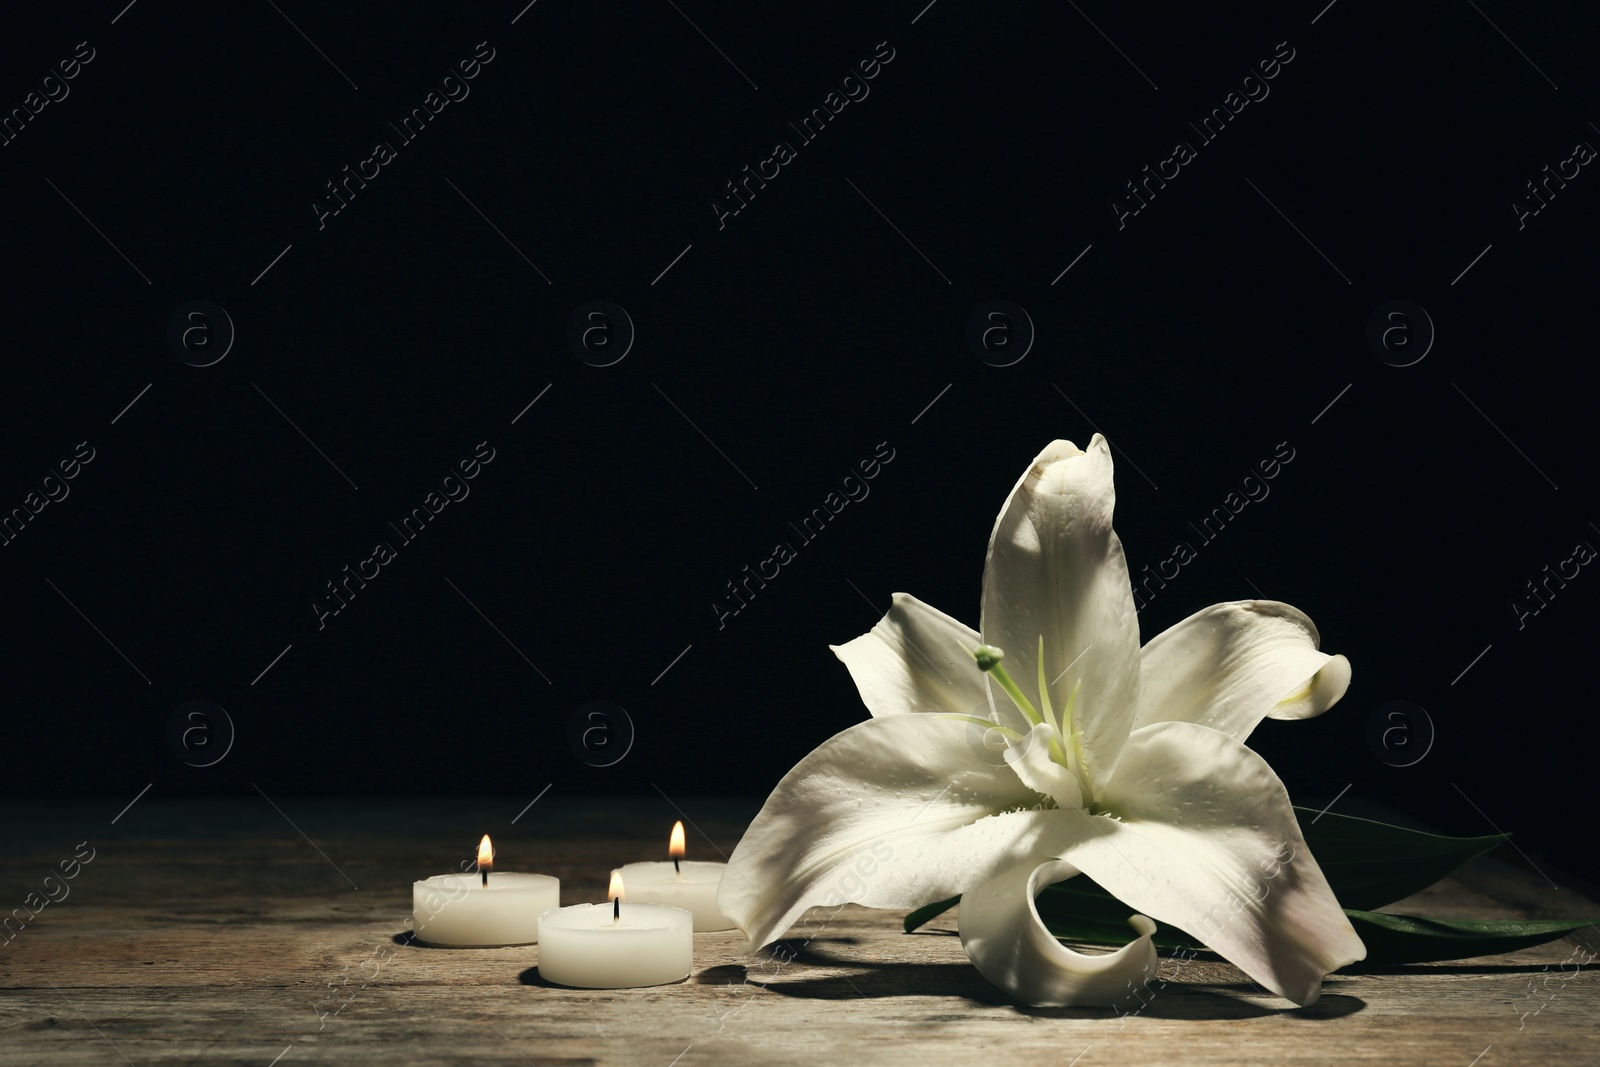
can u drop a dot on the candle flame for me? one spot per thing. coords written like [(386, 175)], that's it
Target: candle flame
[(615, 892), (485, 855), (675, 847)]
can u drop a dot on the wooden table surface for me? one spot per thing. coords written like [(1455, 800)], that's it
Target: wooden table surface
[(256, 931)]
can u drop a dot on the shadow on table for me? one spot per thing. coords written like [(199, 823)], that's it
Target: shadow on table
[(532, 977), (1174, 1000), (1445, 968), (408, 940)]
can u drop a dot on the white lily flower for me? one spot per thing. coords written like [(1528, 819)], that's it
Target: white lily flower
[(1123, 763)]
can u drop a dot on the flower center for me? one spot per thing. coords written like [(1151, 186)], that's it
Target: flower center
[(1066, 743)]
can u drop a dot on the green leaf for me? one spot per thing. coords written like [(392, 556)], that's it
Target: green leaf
[(1414, 939), (928, 912), (1095, 918), (1077, 910), (1370, 864), (1089, 914)]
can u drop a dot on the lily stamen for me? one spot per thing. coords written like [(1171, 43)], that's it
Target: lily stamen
[(988, 658), (1076, 737), (1049, 713)]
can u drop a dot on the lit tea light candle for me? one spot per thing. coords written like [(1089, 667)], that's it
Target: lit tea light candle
[(688, 884), (494, 908), (617, 945)]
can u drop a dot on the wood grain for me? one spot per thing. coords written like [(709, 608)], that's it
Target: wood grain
[(251, 930)]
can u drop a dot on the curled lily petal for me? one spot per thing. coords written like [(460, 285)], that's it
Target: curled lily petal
[(915, 659), (1231, 665), (1007, 942), (1319, 693), (1055, 570), (1204, 837), (894, 812)]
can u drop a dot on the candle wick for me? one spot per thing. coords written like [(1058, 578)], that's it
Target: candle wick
[(485, 874), (616, 910), (675, 868)]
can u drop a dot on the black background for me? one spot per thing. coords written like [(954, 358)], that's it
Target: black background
[(792, 341)]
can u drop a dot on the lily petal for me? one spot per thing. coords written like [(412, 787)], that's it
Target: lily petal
[(1231, 665), (1030, 759), (1055, 569), (1010, 946), (894, 812), (916, 659), (1204, 838)]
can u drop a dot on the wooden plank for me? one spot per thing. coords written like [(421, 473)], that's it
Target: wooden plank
[(213, 931)]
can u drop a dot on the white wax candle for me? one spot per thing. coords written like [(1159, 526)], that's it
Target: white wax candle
[(694, 889), (582, 946), (457, 909)]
